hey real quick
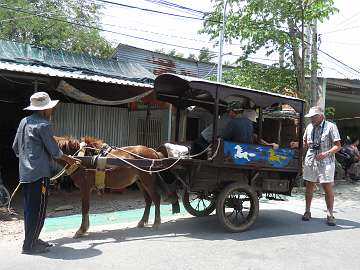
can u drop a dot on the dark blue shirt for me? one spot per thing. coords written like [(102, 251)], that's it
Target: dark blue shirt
[(34, 145), (239, 130)]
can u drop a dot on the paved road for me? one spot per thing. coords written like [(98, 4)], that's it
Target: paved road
[(278, 240)]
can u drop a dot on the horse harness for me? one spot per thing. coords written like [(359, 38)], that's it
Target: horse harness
[(100, 162)]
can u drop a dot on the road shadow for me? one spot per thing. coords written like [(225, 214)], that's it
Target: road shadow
[(270, 223)]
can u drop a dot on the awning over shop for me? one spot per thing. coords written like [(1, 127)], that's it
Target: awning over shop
[(78, 76)]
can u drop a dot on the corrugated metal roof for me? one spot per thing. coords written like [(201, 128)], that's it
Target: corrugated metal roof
[(159, 63), (52, 72), (74, 65)]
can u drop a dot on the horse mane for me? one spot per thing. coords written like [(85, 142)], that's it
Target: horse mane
[(67, 144), (92, 142)]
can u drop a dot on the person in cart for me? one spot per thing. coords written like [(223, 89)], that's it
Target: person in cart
[(206, 136), (241, 129)]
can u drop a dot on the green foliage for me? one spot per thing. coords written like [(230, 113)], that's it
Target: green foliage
[(192, 57), (22, 27), (174, 53), (262, 77), (272, 25), (330, 113), (205, 55)]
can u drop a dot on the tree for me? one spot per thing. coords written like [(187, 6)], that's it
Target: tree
[(192, 57), (205, 55), (262, 77), (18, 23), (174, 53), (162, 50), (275, 26)]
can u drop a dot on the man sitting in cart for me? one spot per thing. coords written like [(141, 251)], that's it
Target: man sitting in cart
[(241, 129), (206, 135)]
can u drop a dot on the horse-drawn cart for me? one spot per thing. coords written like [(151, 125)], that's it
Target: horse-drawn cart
[(235, 175)]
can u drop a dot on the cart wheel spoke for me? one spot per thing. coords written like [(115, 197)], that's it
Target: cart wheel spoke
[(198, 204), (237, 207)]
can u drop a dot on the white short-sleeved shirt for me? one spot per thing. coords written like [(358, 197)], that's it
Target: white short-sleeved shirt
[(326, 134)]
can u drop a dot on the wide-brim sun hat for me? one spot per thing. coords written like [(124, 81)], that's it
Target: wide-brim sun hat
[(250, 114), (234, 106), (314, 111), (41, 101)]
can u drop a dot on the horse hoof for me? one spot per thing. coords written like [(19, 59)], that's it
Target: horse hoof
[(155, 227), (141, 224), (78, 235)]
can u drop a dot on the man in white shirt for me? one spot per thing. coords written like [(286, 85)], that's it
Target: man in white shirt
[(322, 140)]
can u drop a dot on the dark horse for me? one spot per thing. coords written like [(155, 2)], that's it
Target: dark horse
[(116, 178)]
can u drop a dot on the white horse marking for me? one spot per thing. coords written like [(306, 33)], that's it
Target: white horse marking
[(241, 154)]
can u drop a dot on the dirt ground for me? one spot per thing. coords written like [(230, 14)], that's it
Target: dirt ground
[(11, 226)]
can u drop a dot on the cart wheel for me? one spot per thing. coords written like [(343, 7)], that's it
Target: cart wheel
[(4, 196), (198, 205), (237, 207)]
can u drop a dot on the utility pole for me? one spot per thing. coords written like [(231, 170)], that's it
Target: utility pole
[(314, 64), (308, 46), (221, 41)]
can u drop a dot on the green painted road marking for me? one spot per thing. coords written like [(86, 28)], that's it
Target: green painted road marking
[(74, 221)]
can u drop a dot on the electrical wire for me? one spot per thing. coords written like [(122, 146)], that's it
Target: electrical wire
[(149, 10), (145, 39)]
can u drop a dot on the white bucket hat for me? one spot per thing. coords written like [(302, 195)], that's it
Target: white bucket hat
[(250, 114), (41, 101), (315, 111)]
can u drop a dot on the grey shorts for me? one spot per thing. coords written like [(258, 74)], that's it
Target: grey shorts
[(322, 174)]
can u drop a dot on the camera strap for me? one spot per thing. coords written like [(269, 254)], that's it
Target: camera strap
[(321, 132)]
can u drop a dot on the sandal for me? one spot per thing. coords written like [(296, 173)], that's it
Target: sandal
[(306, 216), (330, 220)]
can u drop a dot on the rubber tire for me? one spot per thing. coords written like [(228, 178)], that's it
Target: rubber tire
[(254, 200), (194, 212)]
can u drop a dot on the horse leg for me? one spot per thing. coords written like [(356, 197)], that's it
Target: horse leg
[(145, 218), (85, 190), (149, 184)]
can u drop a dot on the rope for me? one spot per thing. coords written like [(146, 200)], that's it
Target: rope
[(143, 170), (160, 159), (11, 212), (153, 160), (52, 179)]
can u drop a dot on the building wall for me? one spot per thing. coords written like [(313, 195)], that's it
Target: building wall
[(107, 123), (159, 63), (116, 126)]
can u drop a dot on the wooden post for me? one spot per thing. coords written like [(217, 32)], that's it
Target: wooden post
[(216, 119), (260, 123)]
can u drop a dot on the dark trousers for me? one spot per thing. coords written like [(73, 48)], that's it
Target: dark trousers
[(35, 203)]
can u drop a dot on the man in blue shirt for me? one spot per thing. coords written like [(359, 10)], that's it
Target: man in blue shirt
[(34, 145), (241, 129), (206, 136)]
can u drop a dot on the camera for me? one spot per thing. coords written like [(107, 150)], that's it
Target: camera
[(315, 146)]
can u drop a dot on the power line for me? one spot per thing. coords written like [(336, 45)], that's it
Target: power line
[(340, 30), (345, 69), (149, 10), (157, 33), (341, 43), (325, 67), (347, 20), (337, 60), (98, 28), (175, 6), (146, 39)]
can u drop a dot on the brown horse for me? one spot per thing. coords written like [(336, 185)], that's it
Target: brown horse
[(116, 178)]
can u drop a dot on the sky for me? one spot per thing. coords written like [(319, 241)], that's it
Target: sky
[(340, 35)]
